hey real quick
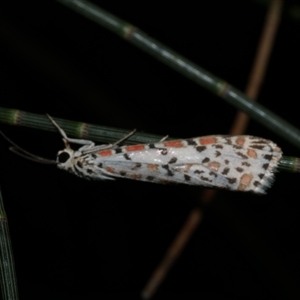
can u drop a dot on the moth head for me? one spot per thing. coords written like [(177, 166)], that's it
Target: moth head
[(64, 158)]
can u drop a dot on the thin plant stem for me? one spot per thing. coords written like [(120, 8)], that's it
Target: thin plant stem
[(76, 129), (172, 253), (260, 63), (8, 280), (187, 68), (290, 164)]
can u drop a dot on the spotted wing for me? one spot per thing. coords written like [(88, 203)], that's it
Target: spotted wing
[(243, 163)]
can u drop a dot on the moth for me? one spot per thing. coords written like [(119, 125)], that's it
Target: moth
[(237, 163)]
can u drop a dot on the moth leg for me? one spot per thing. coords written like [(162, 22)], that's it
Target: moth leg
[(67, 140), (87, 144), (123, 138), (91, 144), (81, 142), (90, 149), (87, 149), (164, 138)]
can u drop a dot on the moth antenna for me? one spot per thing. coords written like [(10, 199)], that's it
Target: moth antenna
[(32, 157), (60, 130), (25, 154)]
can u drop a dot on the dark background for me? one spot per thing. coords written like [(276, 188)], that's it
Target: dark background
[(75, 239)]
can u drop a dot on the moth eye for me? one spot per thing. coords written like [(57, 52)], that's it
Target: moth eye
[(63, 157)]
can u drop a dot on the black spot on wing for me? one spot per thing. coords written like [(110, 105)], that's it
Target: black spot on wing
[(225, 171), (239, 169), (118, 150), (172, 160), (231, 180), (198, 172), (200, 148), (126, 156), (218, 146), (169, 173), (265, 166), (187, 177), (242, 155), (191, 142), (268, 156), (259, 147), (205, 160), (164, 151), (217, 153), (150, 178), (228, 141), (205, 179)]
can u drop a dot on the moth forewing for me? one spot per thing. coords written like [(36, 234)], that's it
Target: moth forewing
[(243, 163)]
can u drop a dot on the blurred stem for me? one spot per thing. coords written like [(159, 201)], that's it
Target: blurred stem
[(260, 63), (187, 68), (290, 164), (8, 281)]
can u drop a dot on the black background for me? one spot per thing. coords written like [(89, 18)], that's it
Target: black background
[(75, 239)]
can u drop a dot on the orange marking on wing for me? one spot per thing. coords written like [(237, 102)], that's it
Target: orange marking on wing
[(245, 181), (207, 141), (240, 141), (136, 176), (187, 167), (110, 169), (176, 144), (152, 167), (252, 153), (135, 148), (105, 153), (214, 165)]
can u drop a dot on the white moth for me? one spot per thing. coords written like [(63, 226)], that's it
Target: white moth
[(238, 163)]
